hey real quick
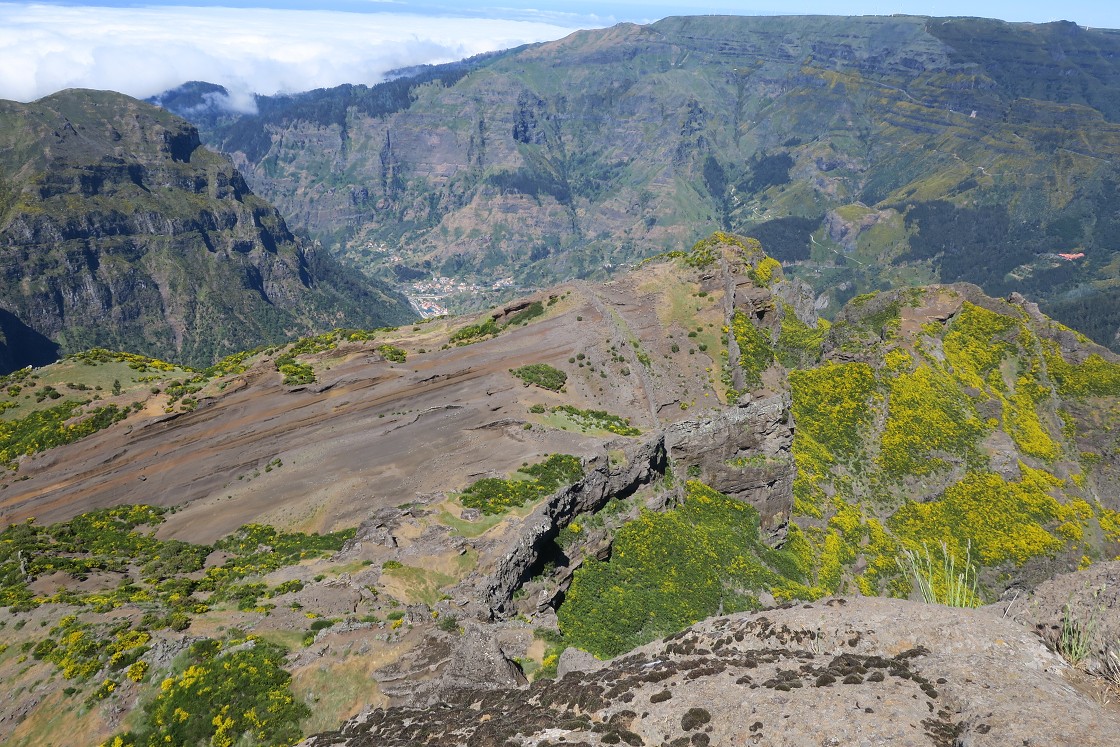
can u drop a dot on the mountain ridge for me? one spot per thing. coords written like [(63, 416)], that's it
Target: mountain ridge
[(119, 229), (513, 484), (866, 152)]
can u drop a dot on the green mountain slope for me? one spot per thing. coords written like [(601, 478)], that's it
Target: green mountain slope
[(868, 151), (935, 421), (118, 229)]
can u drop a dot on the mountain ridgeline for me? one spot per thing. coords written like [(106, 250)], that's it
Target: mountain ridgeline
[(592, 467), (119, 229), (864, 152)]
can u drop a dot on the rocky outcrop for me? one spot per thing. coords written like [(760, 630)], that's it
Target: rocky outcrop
[(744, 452), (477, 662), (836, 672), (1074, 610), (602, 482)]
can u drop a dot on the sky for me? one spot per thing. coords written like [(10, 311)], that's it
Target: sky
[(287, 46)]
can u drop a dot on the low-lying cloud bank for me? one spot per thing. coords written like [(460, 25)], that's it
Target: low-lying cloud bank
[(144, 51)]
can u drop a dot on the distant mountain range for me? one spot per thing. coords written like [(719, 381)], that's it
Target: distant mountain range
[(863, 152), (119, 229)]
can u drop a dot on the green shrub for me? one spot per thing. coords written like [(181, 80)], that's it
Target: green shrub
[(493, 495), (475, 332), (530, 312), (542, 375), (670, 570), (294, 372), (222, 698), (392, 353)]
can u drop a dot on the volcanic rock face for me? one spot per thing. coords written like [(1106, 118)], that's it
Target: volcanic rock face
[(117, 229), (836, 672)]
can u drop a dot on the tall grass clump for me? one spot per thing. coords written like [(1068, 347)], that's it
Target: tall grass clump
[(942, 583)]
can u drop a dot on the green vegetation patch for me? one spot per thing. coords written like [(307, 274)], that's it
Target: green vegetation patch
[(141, 363), (542, 375), (977, 342), (224, 693), (159, 574), (476, 332), (80, 651), (834, 406), (525, 315), (298, 373), (495, 495), (705, 252), (1093, 377), (260, 549), (601, 420), (670, 570), (294, 372), (755, 352), (1000, 521), (927, 413), (44, 429), (235, 693), (490, 328), (799, 345), (977, 345), (236, 363)]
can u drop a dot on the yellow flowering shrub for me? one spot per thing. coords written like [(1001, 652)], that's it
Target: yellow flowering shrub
[(833, 405), (222, 698), (765, 272), (977, 341), (1093, 377), (1001, 521), (926, 413)]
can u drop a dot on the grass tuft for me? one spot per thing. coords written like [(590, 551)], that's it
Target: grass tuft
[(942, 584)]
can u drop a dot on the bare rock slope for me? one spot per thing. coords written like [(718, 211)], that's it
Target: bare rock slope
[(856, 671)]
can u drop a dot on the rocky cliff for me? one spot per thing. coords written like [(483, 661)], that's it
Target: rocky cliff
[(118, 229)]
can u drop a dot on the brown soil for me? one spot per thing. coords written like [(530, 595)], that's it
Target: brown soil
[(371, 433)]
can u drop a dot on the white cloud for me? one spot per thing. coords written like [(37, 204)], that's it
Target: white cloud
[(144, 51)]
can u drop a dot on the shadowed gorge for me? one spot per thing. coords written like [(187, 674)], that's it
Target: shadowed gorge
[(118, 229)]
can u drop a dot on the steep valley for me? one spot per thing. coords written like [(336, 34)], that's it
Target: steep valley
[(865, 153), (119, 229)]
